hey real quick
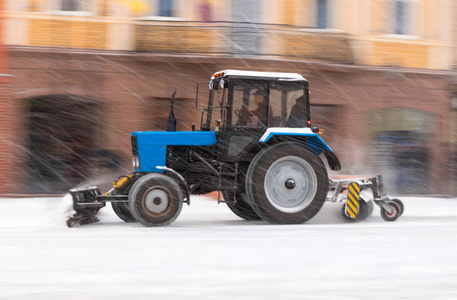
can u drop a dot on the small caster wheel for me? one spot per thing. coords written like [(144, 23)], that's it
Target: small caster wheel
[(400, 205), (343, 212), (365, 210), (390, 216)]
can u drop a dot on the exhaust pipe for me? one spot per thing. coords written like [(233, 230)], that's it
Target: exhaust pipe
[(171, 121)]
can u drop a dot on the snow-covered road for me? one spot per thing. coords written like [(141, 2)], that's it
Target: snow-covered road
[(209, 253)]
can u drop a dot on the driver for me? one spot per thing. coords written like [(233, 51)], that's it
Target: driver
[(259, 97)]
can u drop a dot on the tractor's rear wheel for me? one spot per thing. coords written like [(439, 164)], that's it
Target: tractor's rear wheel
[(286, 184), (155, 200), (241, 208)]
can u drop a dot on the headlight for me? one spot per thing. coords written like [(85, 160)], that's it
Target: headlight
[(136, 159), (136, 162)]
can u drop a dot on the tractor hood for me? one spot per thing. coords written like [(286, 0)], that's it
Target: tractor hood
[(151, 146)]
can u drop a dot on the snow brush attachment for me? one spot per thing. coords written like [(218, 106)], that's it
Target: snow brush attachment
[(358, 208), (86, 206)]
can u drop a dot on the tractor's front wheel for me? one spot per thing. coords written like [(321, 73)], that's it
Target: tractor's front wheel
[(155, 200), (121, 209), (286, 184), (240, 207)]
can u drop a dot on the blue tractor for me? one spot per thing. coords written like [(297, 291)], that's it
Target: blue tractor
[(255, 145)]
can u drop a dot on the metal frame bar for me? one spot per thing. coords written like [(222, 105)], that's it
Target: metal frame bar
[(373, 183)]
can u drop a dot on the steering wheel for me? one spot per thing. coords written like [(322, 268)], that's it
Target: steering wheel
[(243, 119)]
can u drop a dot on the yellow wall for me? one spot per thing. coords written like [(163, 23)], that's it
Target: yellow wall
[(397, 54), (34, 5), (379, 17), (176, 39), (289, 12), (296, 12), (63, 33), (367, 24), (428, 43), (328, 47)]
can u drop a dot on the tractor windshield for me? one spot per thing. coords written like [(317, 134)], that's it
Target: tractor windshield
[(278, 104)]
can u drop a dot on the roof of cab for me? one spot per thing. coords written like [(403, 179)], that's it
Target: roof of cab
[(256, 74)]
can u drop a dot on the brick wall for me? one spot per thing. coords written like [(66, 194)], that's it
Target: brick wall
[(5, 136), (135, 89), (6, 116)]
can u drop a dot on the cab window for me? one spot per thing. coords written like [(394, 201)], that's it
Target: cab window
[(257, 104), (288, 104)]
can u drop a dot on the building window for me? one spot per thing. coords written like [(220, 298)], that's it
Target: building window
[(322, 14), (165, 8), (205, 8), (160, 8), (400, 17), (70, 5)]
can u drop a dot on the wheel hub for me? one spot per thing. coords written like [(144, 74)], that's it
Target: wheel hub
[(156, 201), (290, 183)]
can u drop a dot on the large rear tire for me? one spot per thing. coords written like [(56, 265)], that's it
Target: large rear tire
[(241, 208), (155, 200), (286, 184)]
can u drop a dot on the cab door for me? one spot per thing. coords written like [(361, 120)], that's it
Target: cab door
[(247, 118), (256, 105)]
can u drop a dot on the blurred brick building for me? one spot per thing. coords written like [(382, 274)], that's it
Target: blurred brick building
[(88, 72), (6, 125)]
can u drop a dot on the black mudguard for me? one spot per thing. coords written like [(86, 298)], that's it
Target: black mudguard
[(333, 161)]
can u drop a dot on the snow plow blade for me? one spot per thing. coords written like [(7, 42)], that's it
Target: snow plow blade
[(86, 206)]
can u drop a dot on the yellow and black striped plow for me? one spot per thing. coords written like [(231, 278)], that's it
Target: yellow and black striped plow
[(352, 204)]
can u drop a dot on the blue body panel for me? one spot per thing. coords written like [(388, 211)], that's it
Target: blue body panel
[(152, 145)]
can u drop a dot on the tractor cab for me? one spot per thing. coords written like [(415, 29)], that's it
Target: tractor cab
[(243, 105), (257, 100)]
